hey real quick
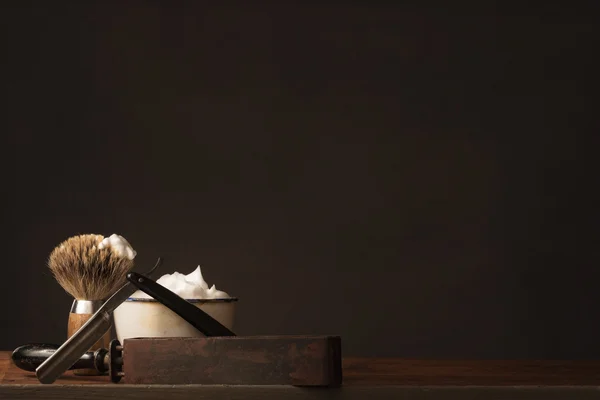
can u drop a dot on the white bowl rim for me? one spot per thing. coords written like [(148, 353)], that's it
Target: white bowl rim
[(217, 300)]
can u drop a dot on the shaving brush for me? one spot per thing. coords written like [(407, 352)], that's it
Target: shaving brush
[(90, 268)]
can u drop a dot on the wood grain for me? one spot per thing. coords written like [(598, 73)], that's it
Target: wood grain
[(403, 372), (364, 378), (219, 392), (76, 321), (3, 365), (300, 360), (386, 371)]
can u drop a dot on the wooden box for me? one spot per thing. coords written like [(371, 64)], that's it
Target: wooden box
[(247, 360)]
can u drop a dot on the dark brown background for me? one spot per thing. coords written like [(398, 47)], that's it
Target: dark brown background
[(418, 180)]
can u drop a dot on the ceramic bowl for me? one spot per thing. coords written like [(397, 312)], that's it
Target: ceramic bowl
[(136, 318)]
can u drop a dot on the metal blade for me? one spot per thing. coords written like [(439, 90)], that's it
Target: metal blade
[(118, 297), (81, 341)]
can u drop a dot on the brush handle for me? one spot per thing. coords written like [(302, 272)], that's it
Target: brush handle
[(81, 312)]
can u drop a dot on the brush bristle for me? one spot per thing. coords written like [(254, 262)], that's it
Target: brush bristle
[(86, 272)]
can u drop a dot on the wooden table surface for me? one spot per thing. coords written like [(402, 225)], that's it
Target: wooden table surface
[(371, 378)]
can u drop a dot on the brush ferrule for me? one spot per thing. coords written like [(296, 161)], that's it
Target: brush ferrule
[(85, 306)]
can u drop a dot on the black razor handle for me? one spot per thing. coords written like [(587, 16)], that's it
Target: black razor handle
[(192, 314), (28, 357)]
